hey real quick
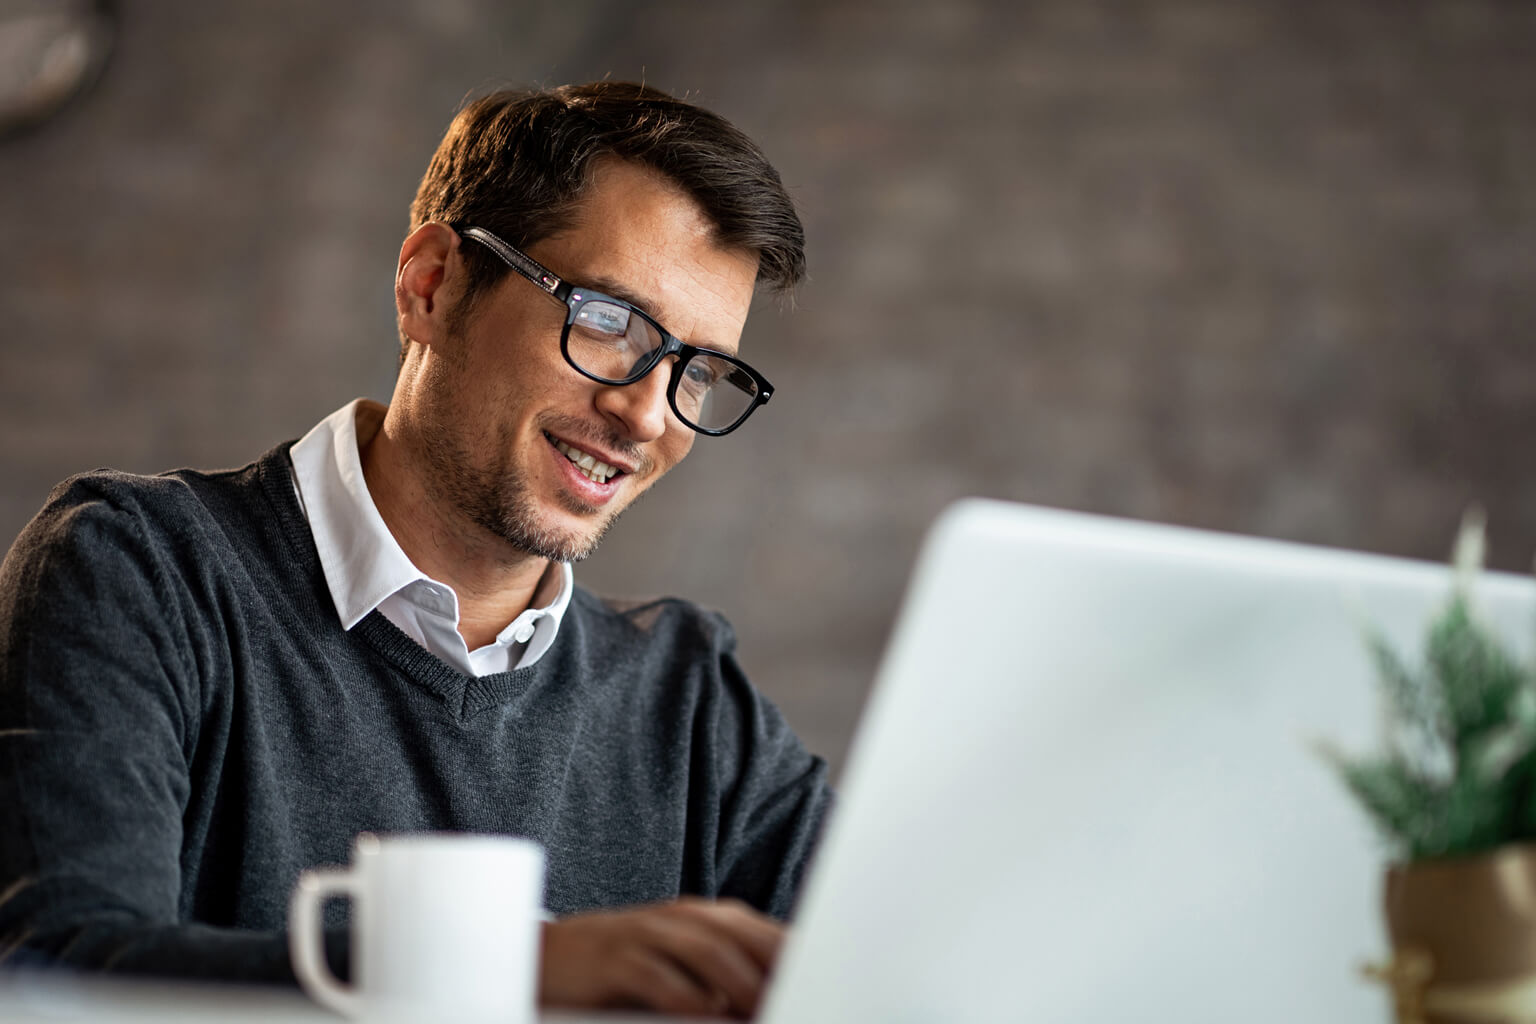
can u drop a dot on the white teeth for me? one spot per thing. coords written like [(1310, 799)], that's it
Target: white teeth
[(590, 467)]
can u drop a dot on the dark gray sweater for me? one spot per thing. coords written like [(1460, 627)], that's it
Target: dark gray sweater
[(184, 727)]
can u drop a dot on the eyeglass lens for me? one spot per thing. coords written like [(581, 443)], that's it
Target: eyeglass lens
[(615, 343)]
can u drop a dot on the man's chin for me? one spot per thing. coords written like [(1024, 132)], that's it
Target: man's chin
[(548, 537), (579, 514)]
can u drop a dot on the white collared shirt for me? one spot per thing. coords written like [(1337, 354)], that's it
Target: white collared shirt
[(366, 569)]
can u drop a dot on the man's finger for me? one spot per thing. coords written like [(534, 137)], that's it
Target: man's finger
[(759, 935), (650, 978), (712, 955)]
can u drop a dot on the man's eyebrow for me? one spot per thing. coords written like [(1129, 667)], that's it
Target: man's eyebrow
[(615, 290)]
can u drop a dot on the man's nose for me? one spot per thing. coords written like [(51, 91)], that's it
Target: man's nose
[(640, 409)]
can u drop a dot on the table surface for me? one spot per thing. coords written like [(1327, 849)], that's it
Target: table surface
[(43, 999)]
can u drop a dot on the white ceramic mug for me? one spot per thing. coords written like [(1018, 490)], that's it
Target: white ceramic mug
[(444, 927)]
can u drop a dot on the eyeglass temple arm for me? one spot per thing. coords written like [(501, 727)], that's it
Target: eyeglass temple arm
[(519, 261)]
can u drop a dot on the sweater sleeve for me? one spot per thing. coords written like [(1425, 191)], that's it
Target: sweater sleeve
[(774, 799), (100, 707)]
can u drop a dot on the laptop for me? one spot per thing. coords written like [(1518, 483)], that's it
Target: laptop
[(1085, 788)]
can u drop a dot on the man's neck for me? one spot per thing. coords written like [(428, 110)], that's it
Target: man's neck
[(494, 582)]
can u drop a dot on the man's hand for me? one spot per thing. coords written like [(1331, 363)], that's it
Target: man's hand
[(690, 957)]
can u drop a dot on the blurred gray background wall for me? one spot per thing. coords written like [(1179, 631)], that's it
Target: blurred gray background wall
[(1257, 266)]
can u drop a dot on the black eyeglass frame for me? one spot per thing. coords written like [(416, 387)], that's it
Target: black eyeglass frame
[(573, 297)]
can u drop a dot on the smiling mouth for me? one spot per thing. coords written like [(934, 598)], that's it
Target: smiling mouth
[(587, 465)]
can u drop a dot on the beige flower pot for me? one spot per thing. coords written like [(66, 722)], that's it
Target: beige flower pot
[(1463, 936)]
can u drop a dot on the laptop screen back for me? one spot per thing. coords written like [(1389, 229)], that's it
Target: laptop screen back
[(1085, 788)]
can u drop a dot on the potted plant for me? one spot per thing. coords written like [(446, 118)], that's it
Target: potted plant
[(1453, 792)]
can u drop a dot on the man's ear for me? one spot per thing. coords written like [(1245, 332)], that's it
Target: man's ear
[(426, 282)]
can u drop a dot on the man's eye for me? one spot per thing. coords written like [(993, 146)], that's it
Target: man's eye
[(700, 373), (604, 317)]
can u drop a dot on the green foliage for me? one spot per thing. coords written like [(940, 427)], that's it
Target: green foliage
[(1457, 773)]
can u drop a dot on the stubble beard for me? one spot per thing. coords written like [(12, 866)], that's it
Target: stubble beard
[(500, 502)]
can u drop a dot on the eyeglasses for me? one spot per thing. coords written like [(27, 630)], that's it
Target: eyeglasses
[(614, 342)]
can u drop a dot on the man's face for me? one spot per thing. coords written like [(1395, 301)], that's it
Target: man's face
[(509, 421)]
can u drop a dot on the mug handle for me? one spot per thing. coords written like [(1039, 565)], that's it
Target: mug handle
[(306, 944)]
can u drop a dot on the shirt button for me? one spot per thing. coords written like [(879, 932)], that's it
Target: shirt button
[(523, 634)]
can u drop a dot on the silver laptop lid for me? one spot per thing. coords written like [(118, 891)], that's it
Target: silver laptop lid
[(1097, 799)]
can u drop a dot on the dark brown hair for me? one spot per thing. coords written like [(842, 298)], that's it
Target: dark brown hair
[(517, 163)]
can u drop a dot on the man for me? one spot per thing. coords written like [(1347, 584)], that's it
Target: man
[(211, 681)]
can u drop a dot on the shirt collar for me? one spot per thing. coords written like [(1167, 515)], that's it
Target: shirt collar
[(362, 561)]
